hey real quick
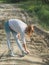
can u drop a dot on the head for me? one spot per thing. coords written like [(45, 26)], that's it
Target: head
[(29, 30)]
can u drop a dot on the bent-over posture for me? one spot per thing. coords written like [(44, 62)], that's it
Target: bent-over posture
[(18, 29)]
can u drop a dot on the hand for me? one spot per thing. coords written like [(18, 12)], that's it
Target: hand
[(28, 51), (18, 35)]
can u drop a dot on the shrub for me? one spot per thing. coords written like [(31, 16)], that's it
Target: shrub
[(43, 14)]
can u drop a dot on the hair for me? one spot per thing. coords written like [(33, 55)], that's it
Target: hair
[(29, 28)]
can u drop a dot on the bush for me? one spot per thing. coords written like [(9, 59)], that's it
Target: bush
[(14, 1), (43, 14)]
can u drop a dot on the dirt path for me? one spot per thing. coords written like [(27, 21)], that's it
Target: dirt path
[(38, 45), (33, 58)]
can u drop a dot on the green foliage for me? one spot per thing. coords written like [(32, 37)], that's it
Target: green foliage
[(12, 1), (39, 10), (43, 15), (45, 1)]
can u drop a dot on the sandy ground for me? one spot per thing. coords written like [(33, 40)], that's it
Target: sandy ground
[(38, 44), (28, 59), (34, 58)]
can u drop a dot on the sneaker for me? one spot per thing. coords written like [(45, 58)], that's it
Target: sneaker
[(24, 53), (11, 53)]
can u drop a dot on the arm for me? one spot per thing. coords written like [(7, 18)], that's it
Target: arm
[(24, 43), (18, 35), (25, 47)]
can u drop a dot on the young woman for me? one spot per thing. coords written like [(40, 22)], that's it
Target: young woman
[(18, 29)]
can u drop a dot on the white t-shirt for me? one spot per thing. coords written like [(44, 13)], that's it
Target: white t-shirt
[(19, 27)]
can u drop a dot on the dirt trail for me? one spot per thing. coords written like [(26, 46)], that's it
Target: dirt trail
[(38, 44)]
